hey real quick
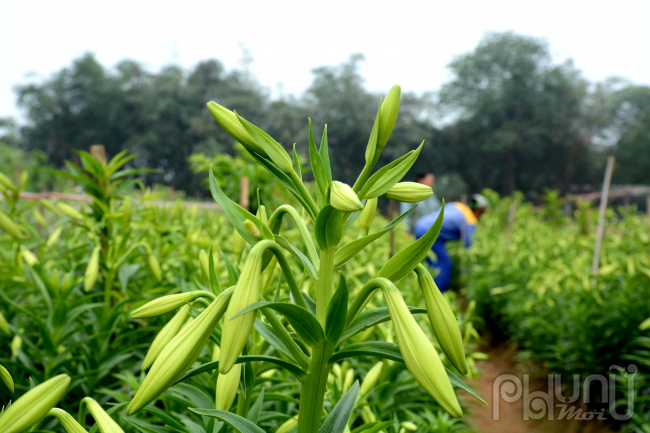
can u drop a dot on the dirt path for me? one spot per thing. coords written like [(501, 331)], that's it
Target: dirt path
[(502, 361)]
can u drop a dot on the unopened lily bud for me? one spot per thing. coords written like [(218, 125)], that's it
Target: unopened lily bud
[(367, 215), (4, 327), (70, 211), (168, 303), (343, 197), (228, 121), (103, 420), (388, 116), (9, 226), (166, 334), (408, 426), (16, 344), (126, 209), (443, 320), (368, 415), (336, 368), (288, 425), (154, 267), (67, 282), (349, 379), (92, 270), (237, 243), (179, 354), (40, 219), (227, 386), (261, 214), (54, 236), (67, 421), (252, 228), (29, 257), (6, 182), (236, 332), (371, 379), (6, 379), (216, 352), (33, 405), (55, 280), (409, 192), (420, 356)]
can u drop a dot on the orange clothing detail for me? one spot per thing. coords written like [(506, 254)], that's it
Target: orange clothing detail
[(467, 212)]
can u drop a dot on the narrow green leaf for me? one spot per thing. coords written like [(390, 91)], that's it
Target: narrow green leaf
[(317, 166), (458, 383), (325, 156), (402, 263), (214, 281), (237, 214), (372, 427), (337, 311), (296, 162), (306, 263), (338, 419), (305, 324), (254, 412), (380, 184), (240, 424), (328, 228), (380, 349), (369, 318), (233, 270), (273, 149), (351, 249), (268, 333)]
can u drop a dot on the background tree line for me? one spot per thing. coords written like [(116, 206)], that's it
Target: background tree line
[(510, 118)]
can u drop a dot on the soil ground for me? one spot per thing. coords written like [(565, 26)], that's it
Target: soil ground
[(502, 360)]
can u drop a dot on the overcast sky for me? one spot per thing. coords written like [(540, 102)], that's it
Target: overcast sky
[(408, 42)]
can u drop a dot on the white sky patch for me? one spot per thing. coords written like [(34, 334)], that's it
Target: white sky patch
[(408, 42)]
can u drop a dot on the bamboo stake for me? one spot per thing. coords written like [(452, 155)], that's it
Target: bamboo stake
[(601, 215), (244, 192), (511, 222)]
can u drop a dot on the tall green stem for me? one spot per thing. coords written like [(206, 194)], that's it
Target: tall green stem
[(313, 207), (312, 393), (361, 180), (324, 285)]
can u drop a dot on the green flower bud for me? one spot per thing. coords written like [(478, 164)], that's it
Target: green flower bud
[(288, 425), (168, 303), (227, 386), (367, 215), (371, 379), (180, 353), (205, 268), (103, 420), (54, 236), (388, 116), (16, 344), (40, 219), (6, 378), (228, 121), (67, 282), (154, 267), (368, 415), (408, 426), (252, 228), (236, 332), (420, 356), (343, 198), (9, 226), (4, 327), (29, 257), (92, 270), (409, 192), (443, 321), (33, 405), (169, 331), (216, 352), (67, 421), (55, 280), (6, 182), (349, 379), (70, 211), (237, 243)]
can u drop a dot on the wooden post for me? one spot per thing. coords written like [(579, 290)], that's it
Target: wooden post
[(601, 215), (99, 152), (244, 192)]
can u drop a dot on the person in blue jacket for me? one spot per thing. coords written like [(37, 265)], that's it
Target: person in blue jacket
[(459, 221)]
